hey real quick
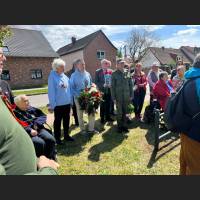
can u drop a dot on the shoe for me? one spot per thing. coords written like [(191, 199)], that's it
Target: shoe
[(69, 139), (59, 142), (110, 120), (125, 129)]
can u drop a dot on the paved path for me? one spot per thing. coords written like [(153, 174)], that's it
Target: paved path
[(39, 100)]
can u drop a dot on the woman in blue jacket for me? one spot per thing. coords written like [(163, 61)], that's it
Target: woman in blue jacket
[(60, 99)]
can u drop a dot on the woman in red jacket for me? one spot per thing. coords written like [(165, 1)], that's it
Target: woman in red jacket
[(163, 89), (139, 82)]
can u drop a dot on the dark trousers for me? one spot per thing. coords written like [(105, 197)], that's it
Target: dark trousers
[(112, 107), (105, 106), (138, 101), (61, 113), (75, 113), (44, 144)]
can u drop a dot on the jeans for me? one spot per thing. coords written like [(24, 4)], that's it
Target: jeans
[(138, 101), (44, 144), (61, 113)]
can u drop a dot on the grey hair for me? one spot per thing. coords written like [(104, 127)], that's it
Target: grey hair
[(196, 62), (77, 61), (19, 98), (58, 62), (105, 60)]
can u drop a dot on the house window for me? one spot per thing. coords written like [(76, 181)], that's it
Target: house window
[(100, 54), (5, 75), (36, 74), (5, 49)]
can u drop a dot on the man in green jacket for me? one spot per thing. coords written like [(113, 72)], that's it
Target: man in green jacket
[(122, 92), (17, 153)]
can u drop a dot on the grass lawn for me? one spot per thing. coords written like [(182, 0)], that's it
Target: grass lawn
[(31, 92), (111, 153)]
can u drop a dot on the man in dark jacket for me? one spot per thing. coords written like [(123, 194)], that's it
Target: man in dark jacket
[(190, 140), (35, 119), (103, 82), (4, 86)]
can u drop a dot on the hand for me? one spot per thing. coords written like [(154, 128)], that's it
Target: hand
[(104, 85), (45, 162), (34, 132)]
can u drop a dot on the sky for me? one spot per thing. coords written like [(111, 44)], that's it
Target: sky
[(172, 36)]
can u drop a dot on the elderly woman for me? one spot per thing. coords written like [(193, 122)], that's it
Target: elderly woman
[(59, 99), (139, 82), (179, 78), (163, 89), (34, 120), (80, 80)]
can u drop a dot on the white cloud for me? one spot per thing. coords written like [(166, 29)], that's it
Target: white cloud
[(60, 35), (180, 40), (190, 31), (193, 26)]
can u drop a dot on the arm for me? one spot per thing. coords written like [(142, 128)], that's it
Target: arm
[(131, 88), (44, 171), (159, 91), (40, 119), (51, 92), (10, 94)]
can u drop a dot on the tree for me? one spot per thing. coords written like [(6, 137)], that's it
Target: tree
[(138, 43), (4, 33), (119, 53)]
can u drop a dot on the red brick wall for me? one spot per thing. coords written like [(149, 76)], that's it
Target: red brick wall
[(20, 71), (90, 53)]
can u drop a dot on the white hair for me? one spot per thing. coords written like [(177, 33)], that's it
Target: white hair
[(19, 98), (105, 60), (58, 62)]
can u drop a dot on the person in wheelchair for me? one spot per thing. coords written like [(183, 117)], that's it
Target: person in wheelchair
[(34, 120)]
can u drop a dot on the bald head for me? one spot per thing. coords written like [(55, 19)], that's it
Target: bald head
[(2, 59)]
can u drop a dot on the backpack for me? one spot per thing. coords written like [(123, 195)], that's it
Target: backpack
[(175, 116)]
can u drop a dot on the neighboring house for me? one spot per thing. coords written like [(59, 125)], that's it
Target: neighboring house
[(190, 52), (165, 57), (29, 57), (92, 48)]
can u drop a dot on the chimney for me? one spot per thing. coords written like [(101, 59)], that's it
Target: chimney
[(163, 48), (73, 40)]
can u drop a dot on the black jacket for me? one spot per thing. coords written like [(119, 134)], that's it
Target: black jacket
[(7, 91), (33, 116)]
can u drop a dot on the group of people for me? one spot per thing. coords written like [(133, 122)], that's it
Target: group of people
[(120, 88)]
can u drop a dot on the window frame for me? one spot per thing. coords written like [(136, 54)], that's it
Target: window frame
[(100, 51), (7, 79), (35, 72)]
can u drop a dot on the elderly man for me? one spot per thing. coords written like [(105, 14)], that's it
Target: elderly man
[(35, 119), (17, 154), (80, 80), (4, 86), (103, 82), (122, 93), (153, 77)]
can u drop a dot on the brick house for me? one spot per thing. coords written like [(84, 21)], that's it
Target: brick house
[(29, 57), (92, 48)]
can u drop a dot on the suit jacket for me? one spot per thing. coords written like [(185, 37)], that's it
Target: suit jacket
[(99, 78)]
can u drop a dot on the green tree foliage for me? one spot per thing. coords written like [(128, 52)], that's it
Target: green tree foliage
[(4, 33), (119, 54)]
